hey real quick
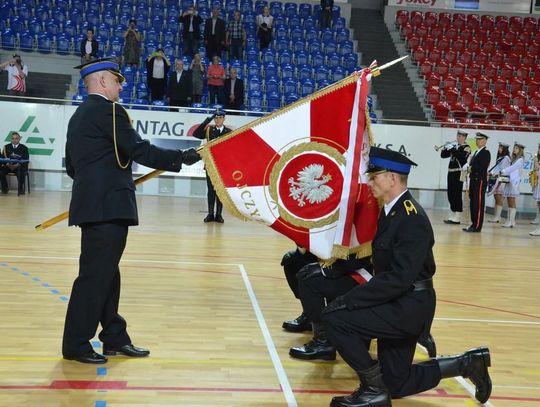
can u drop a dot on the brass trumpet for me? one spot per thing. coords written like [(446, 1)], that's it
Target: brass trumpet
[(448, 143)]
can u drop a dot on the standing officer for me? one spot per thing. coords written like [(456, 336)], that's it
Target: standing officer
[(398, 304), (209, 133), (478, 169), (101, 145), (458, 154)]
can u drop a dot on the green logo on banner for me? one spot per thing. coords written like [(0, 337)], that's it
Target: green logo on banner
[(37, 145)]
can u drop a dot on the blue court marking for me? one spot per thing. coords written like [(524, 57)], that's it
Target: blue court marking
[(37, 279), (101, 371), (100, 403)]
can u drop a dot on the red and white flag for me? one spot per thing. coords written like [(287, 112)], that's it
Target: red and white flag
[(299, 170)]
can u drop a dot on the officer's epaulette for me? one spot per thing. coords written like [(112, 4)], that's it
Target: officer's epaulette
[(409, 207)]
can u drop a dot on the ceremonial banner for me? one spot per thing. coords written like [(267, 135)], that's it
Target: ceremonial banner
[(289, 171)]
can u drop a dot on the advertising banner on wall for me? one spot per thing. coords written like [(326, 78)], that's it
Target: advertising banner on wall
[(501, 6), (43, 130)]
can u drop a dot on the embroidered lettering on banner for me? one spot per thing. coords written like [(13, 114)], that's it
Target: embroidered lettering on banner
[(430, 2)]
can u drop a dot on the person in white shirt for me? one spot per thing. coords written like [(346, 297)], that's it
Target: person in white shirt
[(511, 189), (502, 161), (536, 191), (17, 73), (89, 47), (157, 67), (264, 28)]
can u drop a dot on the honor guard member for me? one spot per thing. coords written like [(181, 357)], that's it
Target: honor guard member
[(209, 133), (478, 169), (101, 145), (458, 154), (398, 304)]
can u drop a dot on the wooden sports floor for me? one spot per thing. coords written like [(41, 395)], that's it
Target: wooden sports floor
[(209, 300)]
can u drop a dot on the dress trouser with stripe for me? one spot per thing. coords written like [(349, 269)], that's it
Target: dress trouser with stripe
[(477, 197)]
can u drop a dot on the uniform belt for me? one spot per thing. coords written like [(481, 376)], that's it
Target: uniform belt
[(454, 169), (423, 285)]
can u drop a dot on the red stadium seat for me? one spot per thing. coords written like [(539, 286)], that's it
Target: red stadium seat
[(422, 30), (430, 18), (402, 17), (473, 46), (519, 48), (441, 110), (481, 58), (512, 113), (481, 36), (497, 58), (450, 82), (428, 42), (459, 21), (445, 19), (496, 36), (434, 79), (477, 111), (515, 23), (467, 97), (485, 97), (465, 57), (466, 35), (503, 98), (491, 71), (442, 67), (466, 82), (499, 85), (504, 125), (458, 70), (482, 83), (425, 67), (443, 44), (413, 41), (507, 72), (535, 100), (433, 97), (418, 54), (436, 31), (534, 47), (451, 96), (533, 86), (416, 18), (529, 59), (523, 73), (494, 112), (486, 124), (530, 23), (530, 112), (474, 71), (487, 22), (513, 60), (515, 85), (473, 21), (458, 109), (519, 99), (450, 122), (452, 33), (489, 47), (501, 23), (435, 55)]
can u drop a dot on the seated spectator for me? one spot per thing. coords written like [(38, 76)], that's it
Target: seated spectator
[(264, 28), (17, 73), (191, 31), (235, 37), (157, 68), (234, 91), (16, 151), (89, 47), (216, 81), (132, 46), (179, 89), (196, 70)]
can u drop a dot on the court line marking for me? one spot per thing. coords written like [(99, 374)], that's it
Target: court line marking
[(471, 390), (489, 321), (282, 376)]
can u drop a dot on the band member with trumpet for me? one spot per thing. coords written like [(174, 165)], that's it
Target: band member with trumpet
[(534, 175), (477, 167), (502, 161), (458, 152), (511, 188)]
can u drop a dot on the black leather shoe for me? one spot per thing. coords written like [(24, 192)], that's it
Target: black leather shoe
[(219, 219), (428, 343), (470, 229), (209, 218), (299, 324), (314, 349), (126, 350), (91, 358)]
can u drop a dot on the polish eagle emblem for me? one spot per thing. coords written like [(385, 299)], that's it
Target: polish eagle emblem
[(310, 185)]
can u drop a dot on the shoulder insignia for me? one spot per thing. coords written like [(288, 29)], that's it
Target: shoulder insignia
[(409, 207)]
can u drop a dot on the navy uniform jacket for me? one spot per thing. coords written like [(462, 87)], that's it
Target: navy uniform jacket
[(209, 133), (402, 254), (479, 164), (102, 191), (19, 153), (458, 155)]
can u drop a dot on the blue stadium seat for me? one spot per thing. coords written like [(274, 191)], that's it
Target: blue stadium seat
[(59, 16), (24, 12), (252, 55), (151, 36), (254, 69), (44, 43), (273, 101), (276, 8), (280, 21), (255, 100), (330, 46), (301, 58), (109, 18), (307, 87), (151, 47), (126, 7), (92, 19), (342, 35), (322, 84), (321, 73), (103, 30), (310, 23), (304, 72), (373, 117), (291, 98), (350, 61), (249, 18), (304, 10), (169, 49), (174, 25), (63, 42), (115, 47), (246, 7), (336, 12), (334, 60), (270, 69), (173, 12), (285, 57), (290, 86), (297, 34), (272, 85), (268, 56), (287, 72), (77, 100), (76, 17), (290, 9), (129, 74), (93, 7), (337, 74), (52, 27), (299, 46), (142, 90), (159, 105), (169, 36), (327, 34), (254, 83), (123, 19), (294, 22), (346, 47), (312, 34), (35, 26), (282, 45), (42, 13), (251, 41), (339, 23), (317, 58), (70, 28), (281, 33), (26, 41), (16, 24)]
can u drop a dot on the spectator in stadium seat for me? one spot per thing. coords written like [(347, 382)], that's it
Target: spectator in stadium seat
[(235, 37), (234, 91), (17, 151), (132, 46), (196, 69), (214, 34), (326, 13), (17, 73), (157, 67), (179, 89), (191, 31), (264, 28), (89, 47), (216, 81)]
